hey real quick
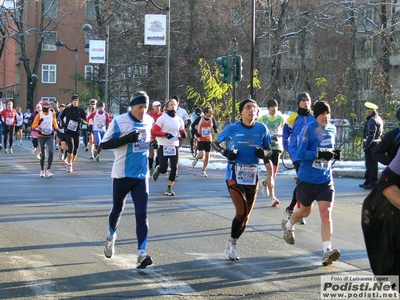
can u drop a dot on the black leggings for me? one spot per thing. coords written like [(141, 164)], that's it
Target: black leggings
[(173, 159), (8, 133), (72, 141), (243, 198)]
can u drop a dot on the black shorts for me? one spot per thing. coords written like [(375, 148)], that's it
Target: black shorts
[(308, 192), (61, 136), (206, 146), (18, 128), (276, 154)]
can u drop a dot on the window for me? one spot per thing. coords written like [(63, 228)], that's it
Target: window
[(51, 99), (90, 13), (50, 8), (365, 47), (49, 73), (91, 72), (49, 41)]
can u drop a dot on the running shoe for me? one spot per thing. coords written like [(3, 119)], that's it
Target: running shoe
[(97, 157), (230, 250), (155, 174), (49, 173), (11, 151), (42, 173), (38, 156), (69, 169), (33, 150), (194, 163), (21, 143), (203, 174), (169, 191), (151, 171), (1, 147), (288, 212), (86, 149), (302, 222), (265, 191), (330, 256), (91, 157), (288, 235), (109, 249), (7, 150), (143, 261), (275, 202)]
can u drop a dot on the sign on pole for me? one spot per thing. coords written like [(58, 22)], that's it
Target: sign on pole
[(155, 30), (97, 52)]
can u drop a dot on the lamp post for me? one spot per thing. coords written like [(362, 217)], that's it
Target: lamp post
[(167, 41), (61, 44), (31, 80), (88, 27)]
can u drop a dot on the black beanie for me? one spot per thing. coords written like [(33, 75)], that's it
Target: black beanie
[(320, 107), (243, 103), (301, 96), (139, 99), (271, 103)]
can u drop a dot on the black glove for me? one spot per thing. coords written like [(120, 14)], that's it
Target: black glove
[(259, 152), (327, 155), (40, 121), (80, 120), (169, 136), (132, 137), (154, 144), (198, 135), (230, 154), (337, 154)]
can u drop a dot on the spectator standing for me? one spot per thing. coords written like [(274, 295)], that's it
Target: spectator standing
[(100, 120), (247, 141), (197, 113), (291, 133), (46, 123), (129, 137), (35, 132), (9, 121), (373, 129), (316, 150), (274, 121), (202, 128), (169, 130)]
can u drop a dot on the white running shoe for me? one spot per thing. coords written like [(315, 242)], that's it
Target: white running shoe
[(69, 169), (330, 256), (38, 156), (33, 150), (109, 248), (194, 163), (49, 173), (203, 174), (11, 151), (230, 250), (288, 235), (42, 173), (143, 261), (7, 150), (275, 202), (169, 191)]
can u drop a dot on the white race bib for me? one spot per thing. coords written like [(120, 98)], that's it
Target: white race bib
[(72, 125), (169, 150), (246, 174)]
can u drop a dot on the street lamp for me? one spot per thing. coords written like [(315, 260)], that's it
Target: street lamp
[(61, 44), (88, 27), (31, 80), (167, 42)]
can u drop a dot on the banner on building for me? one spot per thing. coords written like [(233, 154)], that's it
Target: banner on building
[(97, 52), (155, 31)]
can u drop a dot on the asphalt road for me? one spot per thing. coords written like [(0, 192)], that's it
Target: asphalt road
[(52, 234)]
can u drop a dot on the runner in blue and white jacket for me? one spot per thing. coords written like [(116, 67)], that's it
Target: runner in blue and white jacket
[(316, 151), (129, 137)]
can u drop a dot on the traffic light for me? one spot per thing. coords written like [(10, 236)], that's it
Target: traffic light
[(239, 69), (226, 68)]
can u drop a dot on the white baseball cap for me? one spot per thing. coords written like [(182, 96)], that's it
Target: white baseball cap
[(156, 103)]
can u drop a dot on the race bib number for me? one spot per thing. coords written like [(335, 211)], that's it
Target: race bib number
[(46, 131), (206, 131), (322, 164), (9, 121), (246, 174), (100, 125), (169, 150), (72, 125), (141, 145)]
